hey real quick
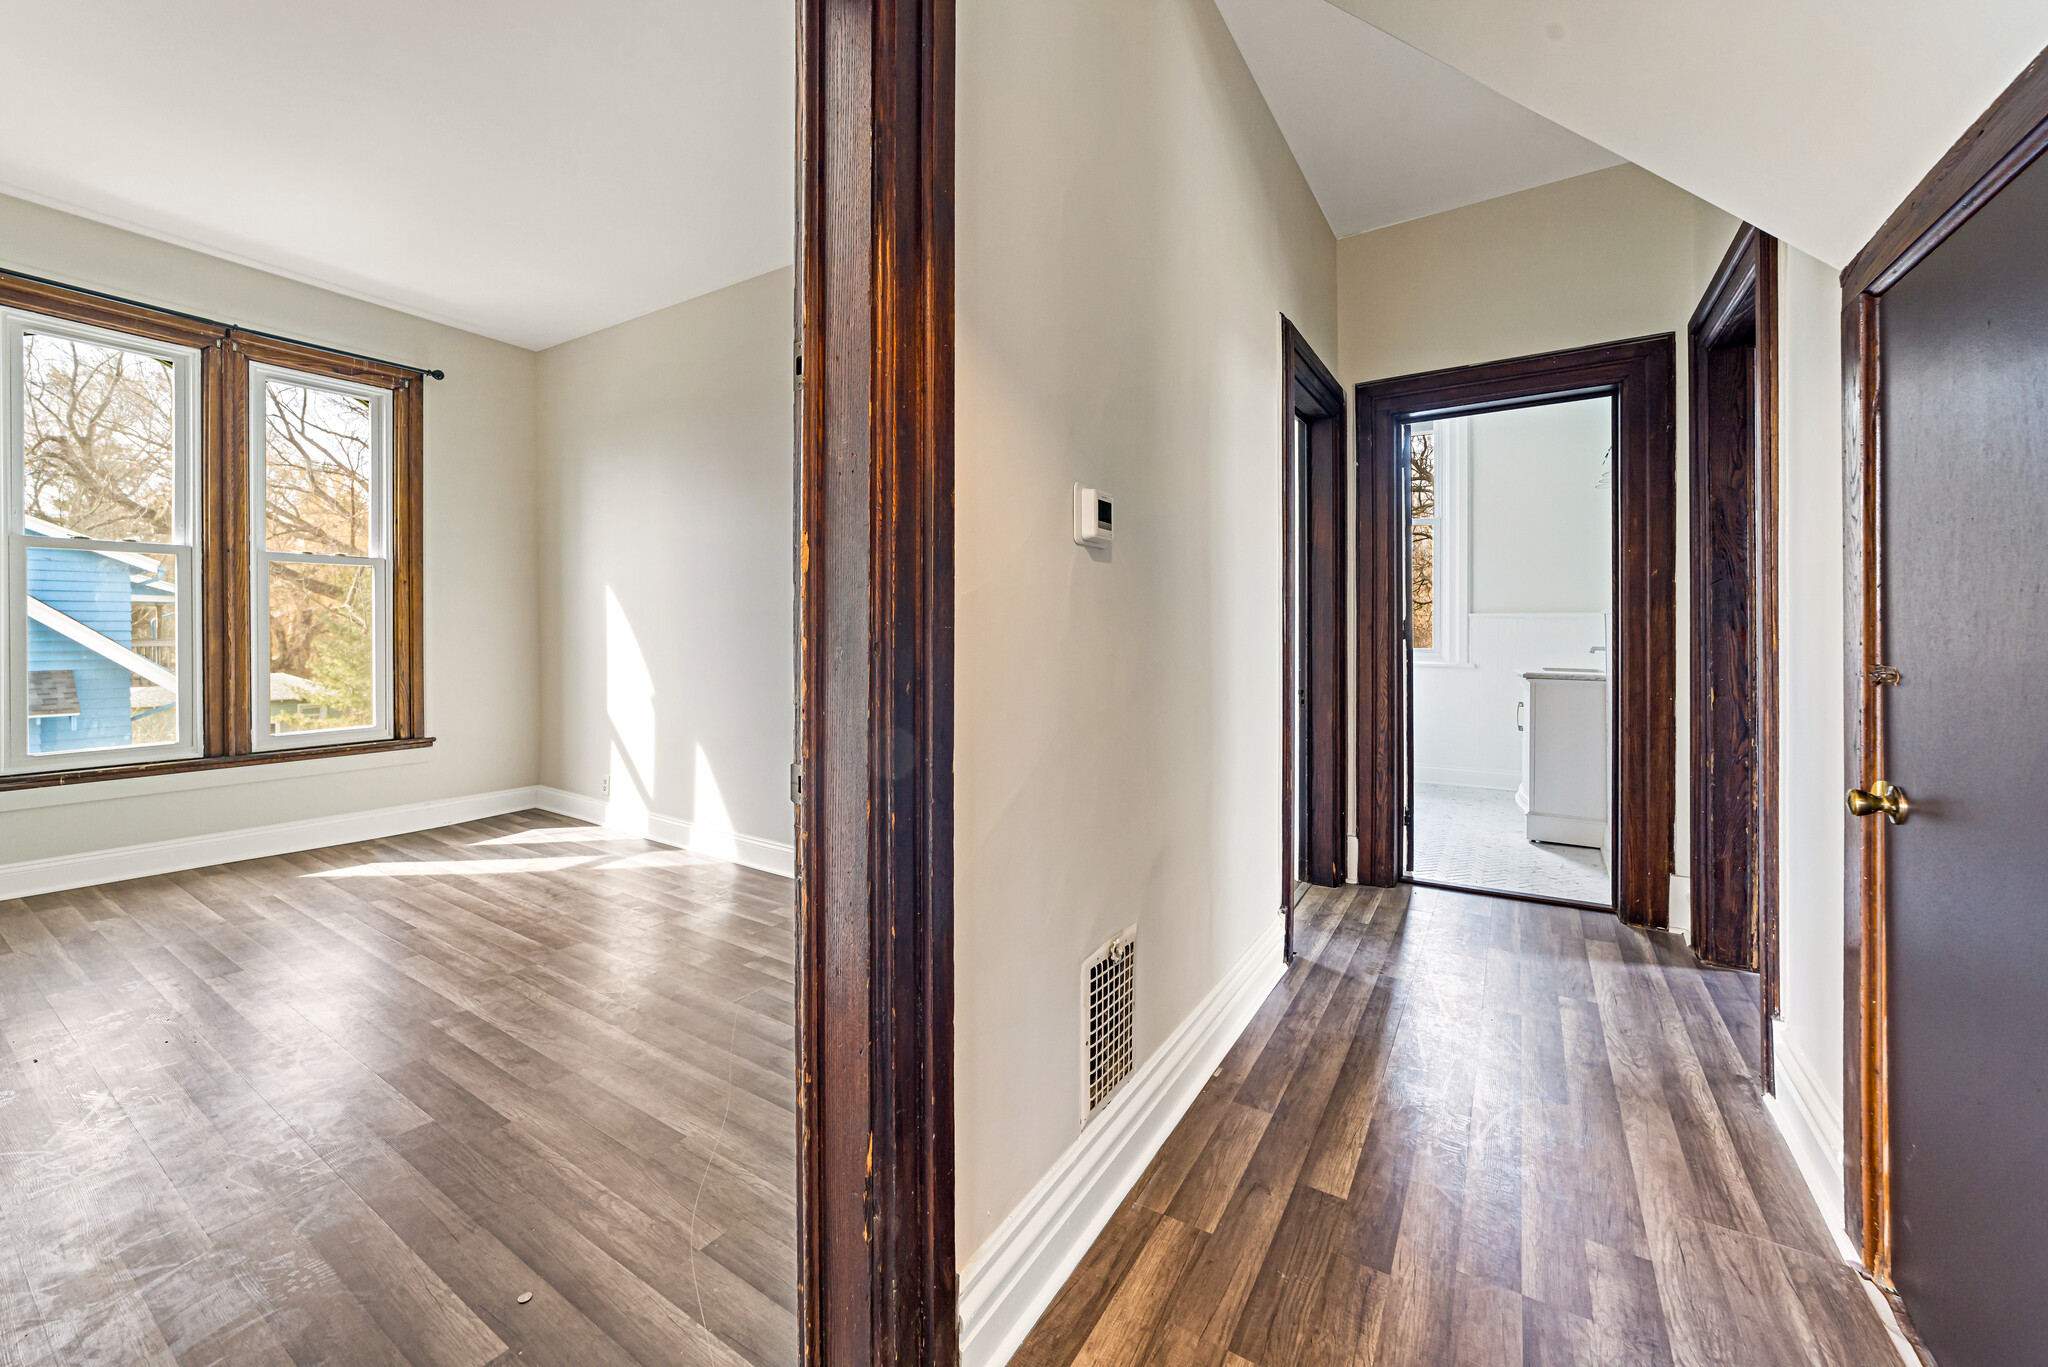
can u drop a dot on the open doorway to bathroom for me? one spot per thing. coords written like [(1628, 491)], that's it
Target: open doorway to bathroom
[(1577, 417), (1510, 536)]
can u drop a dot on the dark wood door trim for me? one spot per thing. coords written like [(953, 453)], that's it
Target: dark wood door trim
[(1312, 491), (1641, 377), (1997, 147), (1736, 325), (874, 570)]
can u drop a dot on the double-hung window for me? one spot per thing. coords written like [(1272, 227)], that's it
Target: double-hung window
[(101, 573), (212, 543), (320, 597)]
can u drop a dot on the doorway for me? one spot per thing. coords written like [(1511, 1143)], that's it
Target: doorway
[(1509, 583), (1734, 537), (1634, 382), (1313, 537)]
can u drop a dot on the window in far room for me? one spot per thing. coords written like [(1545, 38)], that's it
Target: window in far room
[(100, 572), (210, 543), (321, 568), (1438, 515)]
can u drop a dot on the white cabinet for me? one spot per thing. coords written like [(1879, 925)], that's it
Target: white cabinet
[(1564, 757)]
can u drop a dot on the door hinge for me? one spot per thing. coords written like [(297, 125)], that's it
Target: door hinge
[(796, 783), (1885, 674)]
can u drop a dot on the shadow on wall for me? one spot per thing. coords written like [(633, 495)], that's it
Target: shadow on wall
[(631, 779)]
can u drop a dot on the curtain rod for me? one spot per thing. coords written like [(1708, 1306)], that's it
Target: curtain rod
[(215, 322)]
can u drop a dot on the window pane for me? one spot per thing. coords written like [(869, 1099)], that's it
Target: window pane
[(316, 470), (1422, 474), (97, 429), (102, 650), (1422, 586), (323, 633)]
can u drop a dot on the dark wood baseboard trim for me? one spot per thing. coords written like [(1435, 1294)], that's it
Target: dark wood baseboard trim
[(1538, 898)]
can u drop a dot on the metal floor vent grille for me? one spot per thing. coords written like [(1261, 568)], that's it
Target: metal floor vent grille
[(1107, 983)]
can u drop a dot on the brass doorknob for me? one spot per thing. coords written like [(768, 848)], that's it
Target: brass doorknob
[(1882, 797)]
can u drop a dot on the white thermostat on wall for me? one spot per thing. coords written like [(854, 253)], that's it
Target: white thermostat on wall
[(1091, 516)]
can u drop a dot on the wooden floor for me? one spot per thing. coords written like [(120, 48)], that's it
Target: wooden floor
[(350, 1106), (1466, 1131)]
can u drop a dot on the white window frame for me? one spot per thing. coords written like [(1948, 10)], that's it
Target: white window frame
[(1452, 558), (261, 557), (186, 520)]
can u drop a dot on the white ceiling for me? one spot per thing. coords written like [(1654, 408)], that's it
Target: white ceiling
[(1811, 119), (1385, 133), (526, 169)]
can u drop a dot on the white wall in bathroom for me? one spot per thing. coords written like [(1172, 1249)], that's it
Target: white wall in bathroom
[(1538, 548), (1465, 715), (1540, 510)]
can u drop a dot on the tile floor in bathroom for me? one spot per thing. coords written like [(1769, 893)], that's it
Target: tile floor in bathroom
[(1473, 837)]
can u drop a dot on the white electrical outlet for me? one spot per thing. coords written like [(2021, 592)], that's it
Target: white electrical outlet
[(604, 786)]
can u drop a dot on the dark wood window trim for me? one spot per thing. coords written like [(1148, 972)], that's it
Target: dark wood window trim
[(1314, 530), (226, 720), (1641, 377), (1735, 823), (1995, 149), (874, 568)]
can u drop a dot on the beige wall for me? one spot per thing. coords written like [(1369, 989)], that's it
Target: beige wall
[(1598, 258), (1812, 754), (667, 598), (482, 670), (1131, 227)]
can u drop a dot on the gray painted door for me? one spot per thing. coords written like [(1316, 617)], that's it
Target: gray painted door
[(1965, 490)]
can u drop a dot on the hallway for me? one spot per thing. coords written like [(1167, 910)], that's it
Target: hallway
[(1472, 1131)]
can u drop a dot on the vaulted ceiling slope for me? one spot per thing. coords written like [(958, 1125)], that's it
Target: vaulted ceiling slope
[(526, 169), (1810, 119), (1385, 133)]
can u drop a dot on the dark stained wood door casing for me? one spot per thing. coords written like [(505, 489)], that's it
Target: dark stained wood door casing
[(1734, 515), (874, 573), (1724, 777), (1964, 451), (1314, 537), (1640, 375)]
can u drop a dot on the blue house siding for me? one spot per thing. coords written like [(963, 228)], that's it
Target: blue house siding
[(92, 589)]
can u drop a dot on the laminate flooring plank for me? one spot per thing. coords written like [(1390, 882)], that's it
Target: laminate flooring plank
[(1490, 1225), (1126, 1327), (1340, 1138), (1280, 1316), (1500, 1133), (1067, 1322), (1213, 1179)]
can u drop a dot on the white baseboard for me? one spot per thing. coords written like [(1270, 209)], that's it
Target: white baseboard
[(1679, 909), (1023, 1264), (31, 877), (1812, 1126), (1508, 779), (769, 856)]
